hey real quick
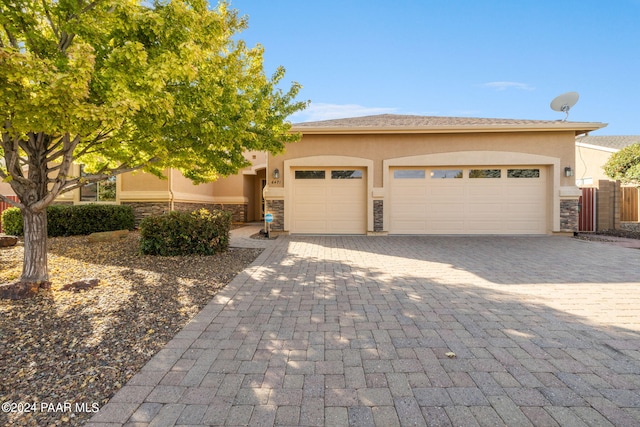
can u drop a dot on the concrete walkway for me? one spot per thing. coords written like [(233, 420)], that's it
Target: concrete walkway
[(399, 331), (241, 237)]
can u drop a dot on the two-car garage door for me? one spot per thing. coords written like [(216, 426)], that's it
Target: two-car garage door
[(468, 200)]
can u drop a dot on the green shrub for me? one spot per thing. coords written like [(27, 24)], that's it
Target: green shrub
[(12, 221), (183, 233), (74, 220)]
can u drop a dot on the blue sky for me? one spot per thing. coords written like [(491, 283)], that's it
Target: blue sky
[(470, 58)]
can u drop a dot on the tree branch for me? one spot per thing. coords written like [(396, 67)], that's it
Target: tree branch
[(12, 40), (51, 24), (76, 183), (65, 41), (53, 147), (100, 138), (68, 148), (17, 204)]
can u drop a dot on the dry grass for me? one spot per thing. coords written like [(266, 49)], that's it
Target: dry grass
[(81, 347)]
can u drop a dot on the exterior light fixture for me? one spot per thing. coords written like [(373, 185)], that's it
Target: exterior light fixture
[(276, 173), (568, 171)]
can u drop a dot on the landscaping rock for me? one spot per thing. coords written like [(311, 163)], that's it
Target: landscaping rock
[(22, 290), (107, 236), (81, 285), (7, 241)]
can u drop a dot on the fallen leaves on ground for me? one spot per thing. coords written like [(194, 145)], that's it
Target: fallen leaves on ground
[(80, 347)]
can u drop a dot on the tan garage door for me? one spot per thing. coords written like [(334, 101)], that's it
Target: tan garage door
[(329, 201), (468, 200)]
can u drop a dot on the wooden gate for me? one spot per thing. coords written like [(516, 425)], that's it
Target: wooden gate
[(587, 210), (629, 205), (4, 206)]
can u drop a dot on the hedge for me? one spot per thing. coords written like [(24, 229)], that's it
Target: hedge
[(73, 220), (183, 233)]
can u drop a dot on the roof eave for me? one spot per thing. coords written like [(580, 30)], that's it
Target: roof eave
[(578, 127)]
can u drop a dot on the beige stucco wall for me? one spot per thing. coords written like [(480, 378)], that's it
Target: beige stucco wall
[(6, 190), (589, 162), (236, 186), (382, 147), (141, 181), (378, 152)]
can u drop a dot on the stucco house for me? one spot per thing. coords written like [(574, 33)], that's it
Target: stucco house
[(592, 152), (387, 174), (396, 174)]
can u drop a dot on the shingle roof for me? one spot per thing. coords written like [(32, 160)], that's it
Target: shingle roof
[(396, 120), (391, 122), (617, 142)]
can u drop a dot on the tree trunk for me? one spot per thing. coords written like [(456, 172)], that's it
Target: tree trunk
[(34, 269)]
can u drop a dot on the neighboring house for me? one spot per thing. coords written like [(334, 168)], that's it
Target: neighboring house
[(392, 174), (592, 152)]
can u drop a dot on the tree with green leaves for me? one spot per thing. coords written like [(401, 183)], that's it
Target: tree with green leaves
[(625, 165), (122, 85)]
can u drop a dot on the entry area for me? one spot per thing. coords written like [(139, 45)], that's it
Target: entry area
[(468, 200), (329, 200)]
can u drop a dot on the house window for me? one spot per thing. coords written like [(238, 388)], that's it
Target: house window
[(101, 191), (523, 173), (346, 174), (310, 174), (484, 173), (446, 173)]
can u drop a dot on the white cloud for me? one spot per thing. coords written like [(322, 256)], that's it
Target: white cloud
[(321, 111), (509, 85)]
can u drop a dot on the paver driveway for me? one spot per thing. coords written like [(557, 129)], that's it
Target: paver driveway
[(357, 331)]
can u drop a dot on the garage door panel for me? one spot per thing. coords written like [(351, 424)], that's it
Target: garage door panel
[(445, 191), (316, 209), (483, 210), (446, 210), (345, 226), (489, 226), (525, 226), (327, 205), (410, 227), (446, 227), (311, 226), (508, 204)]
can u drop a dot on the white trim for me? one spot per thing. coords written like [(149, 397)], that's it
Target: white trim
[(230, 199), (578, 127), (569, 192), (327, 162), (273, 193), (190, 197), (145, 196), (253, 170), (597, 147), (479, 158)]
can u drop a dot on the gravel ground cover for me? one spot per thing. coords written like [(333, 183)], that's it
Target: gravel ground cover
[(601, 236), (64, 353)]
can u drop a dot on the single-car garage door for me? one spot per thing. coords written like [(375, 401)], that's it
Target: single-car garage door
[(329, 201), (468, 200)]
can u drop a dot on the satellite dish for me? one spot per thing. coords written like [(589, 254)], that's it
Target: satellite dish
[(564, 102)]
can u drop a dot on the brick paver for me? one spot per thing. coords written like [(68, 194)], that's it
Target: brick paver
[(336, 330)]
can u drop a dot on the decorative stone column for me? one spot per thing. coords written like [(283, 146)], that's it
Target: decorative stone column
[(276, 207), (569, 215), (378, 215)]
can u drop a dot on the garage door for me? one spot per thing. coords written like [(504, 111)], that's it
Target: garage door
[(469, 200), (329, 201)]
